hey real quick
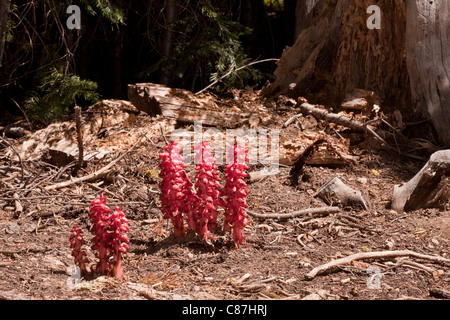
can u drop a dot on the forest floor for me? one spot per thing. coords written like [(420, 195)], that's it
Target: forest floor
[(34, 229)]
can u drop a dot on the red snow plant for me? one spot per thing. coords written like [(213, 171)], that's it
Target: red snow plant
[(109, 242), (199, 205)]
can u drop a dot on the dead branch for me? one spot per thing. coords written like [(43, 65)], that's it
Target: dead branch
[(95, 174), (234, 71), (79, 140), (301, 159), (355, 125), (373, 255), (5, 142), (309, 211), (439, 293)]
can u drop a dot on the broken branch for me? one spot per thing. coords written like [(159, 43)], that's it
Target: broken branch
[(309, 211), (373, 255), (95, 174), (79, 140)]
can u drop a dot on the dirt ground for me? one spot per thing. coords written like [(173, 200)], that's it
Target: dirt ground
[(35, 256)]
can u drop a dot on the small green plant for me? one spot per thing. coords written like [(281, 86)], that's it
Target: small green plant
[(207, 46), (106, 8), (56, 93)]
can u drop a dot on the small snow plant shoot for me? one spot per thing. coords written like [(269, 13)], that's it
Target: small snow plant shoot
[(208, 190), (177, 197), (236, 194), (79, 255), (109, 242)]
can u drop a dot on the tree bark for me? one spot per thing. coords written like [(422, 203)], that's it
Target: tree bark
[(335, 52), (406, 62), (171, 9), (4, 10), (428, 59)]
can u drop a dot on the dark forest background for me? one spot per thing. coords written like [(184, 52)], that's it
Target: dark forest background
[(47, 68)]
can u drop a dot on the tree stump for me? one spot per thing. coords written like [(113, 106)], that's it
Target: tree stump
[(430, 187)]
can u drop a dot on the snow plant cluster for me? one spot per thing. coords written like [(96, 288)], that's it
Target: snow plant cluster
[(109, 242), (198, 203)]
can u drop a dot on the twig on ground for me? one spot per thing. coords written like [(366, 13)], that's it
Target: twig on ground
[(439, 293), (106, 191), (309, 211), (95, 174), (79, 140), (373, 255), (163, 133), (18, 156)]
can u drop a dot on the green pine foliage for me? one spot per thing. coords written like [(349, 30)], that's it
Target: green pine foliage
[(207, 46), (56, 93), (107, 9)]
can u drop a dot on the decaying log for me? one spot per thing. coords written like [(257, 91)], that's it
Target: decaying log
[(336, 192), (181, 105), (430, 187)]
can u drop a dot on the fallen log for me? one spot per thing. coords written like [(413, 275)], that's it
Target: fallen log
[(430, 187), (181, 105)]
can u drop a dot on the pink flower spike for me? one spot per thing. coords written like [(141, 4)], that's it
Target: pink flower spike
[(80, 256), (177, 197), (208, 190), (236, 194), (99, 213), (118, 240)]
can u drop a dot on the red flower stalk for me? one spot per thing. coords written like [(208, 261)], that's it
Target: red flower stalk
[(236, 194), (99, 213), (177, 196), (117, 240), (80, 256), (110, 240), (208, 190)]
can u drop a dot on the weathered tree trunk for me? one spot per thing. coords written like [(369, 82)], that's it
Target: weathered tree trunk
[(171, 9), (4, 10), (406, 61), (428, 47), (335, 52)]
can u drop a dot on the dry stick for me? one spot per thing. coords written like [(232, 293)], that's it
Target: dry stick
[(18, 156), (79, 140), (293, 214), (23, 112), (235, 70), (95, 174), (105, 191), (355, 125), (162, 132), (372, 255)]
